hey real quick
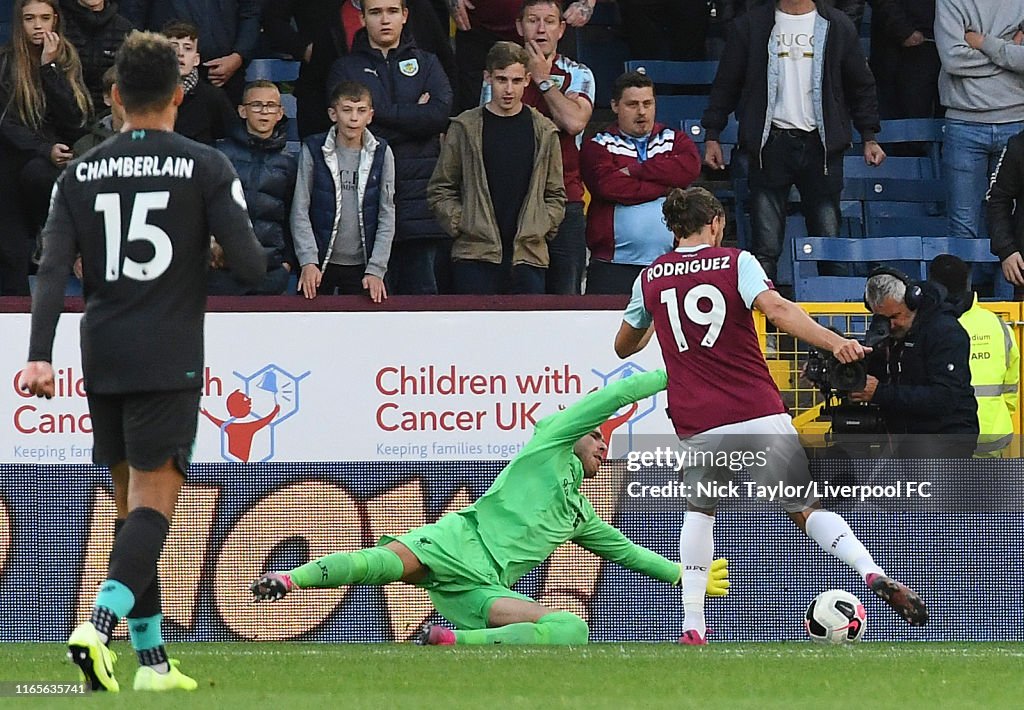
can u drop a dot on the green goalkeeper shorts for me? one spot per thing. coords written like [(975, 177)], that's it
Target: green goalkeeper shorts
[(463, 578)]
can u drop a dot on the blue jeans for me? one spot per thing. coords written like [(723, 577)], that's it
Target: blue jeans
[(568, 252), (970, 153)]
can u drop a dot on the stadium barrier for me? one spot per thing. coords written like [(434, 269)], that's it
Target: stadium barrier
[(389, 419)]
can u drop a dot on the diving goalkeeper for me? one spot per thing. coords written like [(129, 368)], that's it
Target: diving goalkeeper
[(469, 560)]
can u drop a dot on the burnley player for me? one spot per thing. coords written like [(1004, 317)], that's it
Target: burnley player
[(469, 560), (721, 396), (140, 209)]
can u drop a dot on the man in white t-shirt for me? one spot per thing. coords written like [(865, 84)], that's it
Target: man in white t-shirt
[(794, 113)]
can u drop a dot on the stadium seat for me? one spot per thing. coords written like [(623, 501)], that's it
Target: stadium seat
[(986, 275), (900, 226), (675, 73), (903, 252), (899, 168), (730, 136), (887, 197), (5, 32), (926, 133), (673, 110), (276, 70)]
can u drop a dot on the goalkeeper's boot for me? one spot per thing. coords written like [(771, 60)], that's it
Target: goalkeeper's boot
[(93, 658), (904, 600), (434, 635), (692, 637), (146, 678), (271, 587)]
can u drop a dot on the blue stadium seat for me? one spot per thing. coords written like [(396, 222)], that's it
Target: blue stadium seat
[(675, 73), (901, 226), (899, 168), (887, 197), (927, 133), (809, 251), (5, 32), (674, 110), (276, 70), (728, 139), (730, 136)]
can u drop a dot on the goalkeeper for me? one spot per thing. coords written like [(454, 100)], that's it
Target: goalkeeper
[(469, 560)]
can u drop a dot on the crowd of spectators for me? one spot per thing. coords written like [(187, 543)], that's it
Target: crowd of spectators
[(473, 205)]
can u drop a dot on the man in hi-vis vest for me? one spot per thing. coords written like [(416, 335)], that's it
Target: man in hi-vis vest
[(995, 358)]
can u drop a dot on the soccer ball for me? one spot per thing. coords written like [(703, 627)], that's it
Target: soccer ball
[(835, 616)]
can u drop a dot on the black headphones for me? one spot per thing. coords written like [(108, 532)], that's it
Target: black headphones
[(913, 296)]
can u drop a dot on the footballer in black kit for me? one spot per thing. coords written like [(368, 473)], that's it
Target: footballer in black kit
[(140, 209)]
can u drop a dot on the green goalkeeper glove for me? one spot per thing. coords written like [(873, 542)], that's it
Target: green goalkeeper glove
[(718, 578)]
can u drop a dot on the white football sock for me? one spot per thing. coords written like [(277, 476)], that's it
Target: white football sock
[(835, 537), (696, 550)]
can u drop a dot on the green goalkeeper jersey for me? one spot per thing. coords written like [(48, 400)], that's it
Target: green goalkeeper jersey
[(535, 504)]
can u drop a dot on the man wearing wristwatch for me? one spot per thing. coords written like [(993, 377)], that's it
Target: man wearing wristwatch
[(481, 23), (562, 90)]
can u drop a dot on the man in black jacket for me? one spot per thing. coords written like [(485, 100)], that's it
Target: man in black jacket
[(326, 31), (229, 33), (1005, 216), (96, 31), (921, 380), (905, 59), (794, 113)]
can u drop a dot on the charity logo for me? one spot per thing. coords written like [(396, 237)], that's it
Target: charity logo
[(629, 415), (265, 400)]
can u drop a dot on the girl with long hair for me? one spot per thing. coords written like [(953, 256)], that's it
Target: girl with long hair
[(44, 109)]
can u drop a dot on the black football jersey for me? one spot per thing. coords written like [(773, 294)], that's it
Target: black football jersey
[(140, 208)]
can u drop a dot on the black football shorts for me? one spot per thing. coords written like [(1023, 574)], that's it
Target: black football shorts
[(146, 428)]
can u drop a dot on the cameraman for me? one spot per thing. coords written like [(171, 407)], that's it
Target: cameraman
[(921, 378)]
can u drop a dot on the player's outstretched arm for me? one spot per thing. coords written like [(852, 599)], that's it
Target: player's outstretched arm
[(591, 411), (791, 318), (610, 544)]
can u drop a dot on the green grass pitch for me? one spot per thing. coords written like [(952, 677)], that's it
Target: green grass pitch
[(768, 675)]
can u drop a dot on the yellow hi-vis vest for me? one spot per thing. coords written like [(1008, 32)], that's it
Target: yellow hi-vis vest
[(995, 375)]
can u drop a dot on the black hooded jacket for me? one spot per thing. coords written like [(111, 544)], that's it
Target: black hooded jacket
[(97, 37)]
